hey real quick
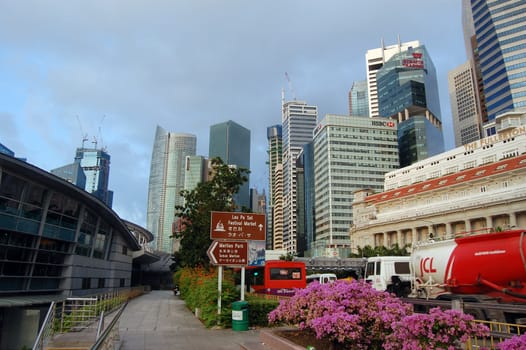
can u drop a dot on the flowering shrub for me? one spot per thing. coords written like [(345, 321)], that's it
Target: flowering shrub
[(357, 316), (350, 313), (437, 330), (515, 343)]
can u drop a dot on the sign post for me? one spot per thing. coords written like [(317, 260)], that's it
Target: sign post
[(230, 232)]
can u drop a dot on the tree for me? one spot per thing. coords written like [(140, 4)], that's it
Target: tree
[(214, 195)]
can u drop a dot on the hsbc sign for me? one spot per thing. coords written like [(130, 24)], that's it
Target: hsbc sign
[(387, 123)]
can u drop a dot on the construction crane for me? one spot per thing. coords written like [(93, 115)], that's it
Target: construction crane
[(84, 136), (290, 86)]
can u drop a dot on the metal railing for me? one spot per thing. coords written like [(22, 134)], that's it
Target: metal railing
[(46, 330), (82, 314), (499, 332), (110, 334)]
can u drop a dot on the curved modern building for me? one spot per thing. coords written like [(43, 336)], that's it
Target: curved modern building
[(56, 241)]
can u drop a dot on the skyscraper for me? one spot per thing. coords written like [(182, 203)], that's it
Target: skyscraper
[(167, 175), (231, 142), (358, 100), (275, 158), (298, 121), (349, 154), (375, 59), (499, 28), (196, 171), (466, 116), (407, 91)]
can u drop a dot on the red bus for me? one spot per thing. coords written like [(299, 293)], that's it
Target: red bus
[(277, 277)]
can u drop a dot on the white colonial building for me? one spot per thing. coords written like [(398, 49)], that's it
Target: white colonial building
[(478, 186)]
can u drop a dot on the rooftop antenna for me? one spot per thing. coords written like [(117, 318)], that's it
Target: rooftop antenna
[(290, 86), (84, 136)]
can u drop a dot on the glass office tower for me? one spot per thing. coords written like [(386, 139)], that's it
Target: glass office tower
[(500, 32), (167, 180), (407, 89), (231, 142), (96, 166)]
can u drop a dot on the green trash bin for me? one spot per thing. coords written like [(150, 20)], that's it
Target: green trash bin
[(240, 316)]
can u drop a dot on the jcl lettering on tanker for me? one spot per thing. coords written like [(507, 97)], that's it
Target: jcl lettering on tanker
[(426, 266)]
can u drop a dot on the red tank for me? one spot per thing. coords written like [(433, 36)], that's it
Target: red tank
[(493, 264)]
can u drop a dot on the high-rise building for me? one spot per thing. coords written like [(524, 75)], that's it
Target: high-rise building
[(72, 173), (195, 171), (466, 116), (375, 59), (231, 142), (470, 41), (500, 52), (349, 154), (298, 121), (407, 91), (96, 166), (275, 158), (358, 100), (306, 211), (277, 209), (5, 150), (167, 180)]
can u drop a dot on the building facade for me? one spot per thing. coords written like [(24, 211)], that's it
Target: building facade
[(501, 54), (350, 153), (298, 121), (56, 241), (465, 112), (195, 171), (375, 59), (90, 171), (407, 91), (231, 142), (307, 212), (358, 99), (167, 180), (275, 158), (477, 186), (277, 209)]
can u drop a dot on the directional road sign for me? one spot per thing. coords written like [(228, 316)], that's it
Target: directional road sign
[(239, 226), (228, 253)]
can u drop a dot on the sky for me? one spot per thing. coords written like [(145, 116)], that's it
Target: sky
[(113, 70)]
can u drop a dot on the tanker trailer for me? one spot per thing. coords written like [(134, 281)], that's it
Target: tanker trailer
[(485, 270), (489, 264)]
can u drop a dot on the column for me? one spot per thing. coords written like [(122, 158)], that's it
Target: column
[(513, 220), (467, 223), (449, 230), (489, 222)]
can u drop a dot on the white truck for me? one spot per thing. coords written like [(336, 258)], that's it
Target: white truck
[(389, 273)]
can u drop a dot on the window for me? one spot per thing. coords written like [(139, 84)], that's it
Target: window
[(124, 250), (86, 283), (101, 283), (122, 282)]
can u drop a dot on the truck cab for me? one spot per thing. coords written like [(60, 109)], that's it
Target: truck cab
[(389, 273)]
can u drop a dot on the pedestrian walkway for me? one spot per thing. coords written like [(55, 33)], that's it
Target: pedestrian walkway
[(161, 321)]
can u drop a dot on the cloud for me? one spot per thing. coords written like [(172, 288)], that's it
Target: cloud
[(114, 70)]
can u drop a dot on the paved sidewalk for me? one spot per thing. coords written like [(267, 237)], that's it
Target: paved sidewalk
[(159, 320)]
